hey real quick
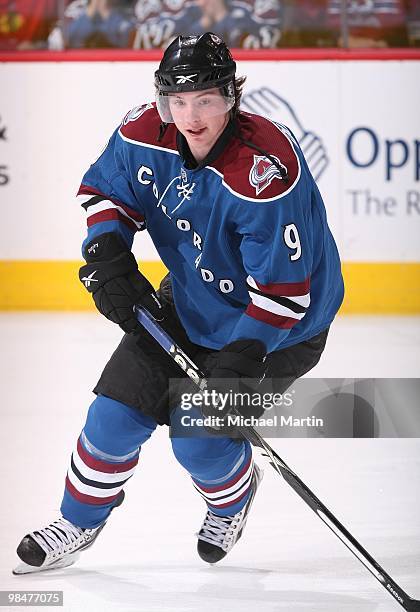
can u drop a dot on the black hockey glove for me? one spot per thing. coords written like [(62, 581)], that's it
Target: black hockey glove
[(112, 276), (234, 373)]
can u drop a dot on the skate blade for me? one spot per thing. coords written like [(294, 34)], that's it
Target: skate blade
[(24, 568)]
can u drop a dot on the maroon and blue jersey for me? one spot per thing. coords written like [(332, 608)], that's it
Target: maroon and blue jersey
[(244, 236)]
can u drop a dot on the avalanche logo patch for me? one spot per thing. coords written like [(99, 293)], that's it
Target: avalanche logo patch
[(263, 172), (136, 112)]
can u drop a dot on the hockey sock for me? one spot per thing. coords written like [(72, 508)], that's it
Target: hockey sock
[(105, 457)]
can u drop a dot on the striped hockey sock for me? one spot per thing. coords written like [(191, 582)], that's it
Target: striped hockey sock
[(228, 495), (94, 481)]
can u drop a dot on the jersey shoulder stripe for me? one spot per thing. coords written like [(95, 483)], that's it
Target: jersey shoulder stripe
[(100, 208), (279, 304)]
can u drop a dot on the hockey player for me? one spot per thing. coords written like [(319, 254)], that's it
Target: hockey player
[(254, 284)]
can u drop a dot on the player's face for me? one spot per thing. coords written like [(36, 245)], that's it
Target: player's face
[(201, 116)]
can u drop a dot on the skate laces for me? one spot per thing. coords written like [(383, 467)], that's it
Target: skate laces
[(219, 530), (59, 537)]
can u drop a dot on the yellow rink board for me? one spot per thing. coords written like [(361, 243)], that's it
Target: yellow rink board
[(371, 288)]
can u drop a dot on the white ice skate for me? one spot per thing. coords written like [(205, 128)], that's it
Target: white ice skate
[(219, 534), (56, 546)]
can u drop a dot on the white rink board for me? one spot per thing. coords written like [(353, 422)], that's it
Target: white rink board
[(58, 117)]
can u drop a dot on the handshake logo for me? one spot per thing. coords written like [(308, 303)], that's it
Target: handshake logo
[(268, 103)]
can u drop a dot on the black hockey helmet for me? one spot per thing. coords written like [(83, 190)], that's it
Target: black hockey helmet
[(193, 63)]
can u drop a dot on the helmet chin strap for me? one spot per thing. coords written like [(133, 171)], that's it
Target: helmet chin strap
[(162, 129)]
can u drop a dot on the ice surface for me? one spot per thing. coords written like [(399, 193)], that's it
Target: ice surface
[(145, 559)]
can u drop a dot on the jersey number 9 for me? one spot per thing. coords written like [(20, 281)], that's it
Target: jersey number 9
[(292, 240)]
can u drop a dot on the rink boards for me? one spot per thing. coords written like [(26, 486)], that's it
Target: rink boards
[(357, 123)]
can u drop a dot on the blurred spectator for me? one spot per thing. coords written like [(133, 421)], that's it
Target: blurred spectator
[(25, 24), (157, 21), (241, 23), (265, 11), (93, 24), (268, 15), (306, 25), (372, 23), (235, 22), (147, 24), (73, 10), (100, 26), (413, 23)]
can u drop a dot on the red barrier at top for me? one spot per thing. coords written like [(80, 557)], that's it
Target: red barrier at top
[(130, 55)]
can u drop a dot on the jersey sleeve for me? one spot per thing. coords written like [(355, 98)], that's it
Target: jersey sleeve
[(107, 196), (277, 254)]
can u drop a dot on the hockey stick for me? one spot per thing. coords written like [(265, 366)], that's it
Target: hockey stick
[(190, 368)]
